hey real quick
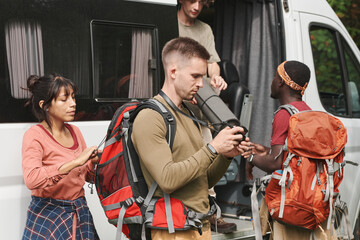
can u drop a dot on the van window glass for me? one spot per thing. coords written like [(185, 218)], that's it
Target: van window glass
[(353, 73), (124, 60), (327, 70)]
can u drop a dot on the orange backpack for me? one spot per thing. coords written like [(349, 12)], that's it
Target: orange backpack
[(303, 192)]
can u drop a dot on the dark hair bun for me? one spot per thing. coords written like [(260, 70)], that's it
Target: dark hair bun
[(31, 81)]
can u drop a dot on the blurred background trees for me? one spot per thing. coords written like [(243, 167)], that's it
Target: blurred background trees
[(349, 13)]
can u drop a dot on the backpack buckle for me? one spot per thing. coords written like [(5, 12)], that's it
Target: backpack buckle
[(139, 200), (287, 161), (191, 214), (128, 202), (126, 115), (330, 166), (170, 118)]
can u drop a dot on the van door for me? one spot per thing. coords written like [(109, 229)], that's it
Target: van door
[(334, 61)]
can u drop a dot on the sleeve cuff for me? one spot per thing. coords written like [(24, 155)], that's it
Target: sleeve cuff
[(225, 158), (210, 154)]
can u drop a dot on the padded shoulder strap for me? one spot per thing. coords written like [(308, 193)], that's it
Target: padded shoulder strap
[(289, 108), (169, 119)]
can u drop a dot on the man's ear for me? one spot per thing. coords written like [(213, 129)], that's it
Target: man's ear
[(172, 71)]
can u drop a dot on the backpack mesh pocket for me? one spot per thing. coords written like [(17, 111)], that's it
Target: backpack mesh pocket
[(111, 176)]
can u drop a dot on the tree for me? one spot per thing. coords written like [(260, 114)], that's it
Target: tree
[(349, 13)]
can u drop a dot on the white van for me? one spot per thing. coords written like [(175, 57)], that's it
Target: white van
[(94, 43), (314, 35)]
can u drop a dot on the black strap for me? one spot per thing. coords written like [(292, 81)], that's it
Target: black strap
[(192, 117)]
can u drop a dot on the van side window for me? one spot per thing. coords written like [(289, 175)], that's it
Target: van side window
[(123, 60), (353, 74), (328, 71), (337, 72)]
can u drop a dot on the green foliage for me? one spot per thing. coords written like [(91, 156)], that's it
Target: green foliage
[(325, 60), (349, 13)]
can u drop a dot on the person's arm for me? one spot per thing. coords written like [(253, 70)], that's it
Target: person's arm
[(213, 69), (222, 162), (267, 159), (93, 159), (149, 140), (226, 142), (270, 159), (36, 174), (216, 81), (217, 169), (89, 153)]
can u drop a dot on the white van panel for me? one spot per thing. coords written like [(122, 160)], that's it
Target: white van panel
[(15, 196), (352, 149), (317, 7), (291, 34)]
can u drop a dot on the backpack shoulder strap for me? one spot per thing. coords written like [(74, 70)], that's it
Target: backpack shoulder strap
[(168, 117), (289, 108)]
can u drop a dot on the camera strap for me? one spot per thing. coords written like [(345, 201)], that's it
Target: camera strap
[(192, 117)]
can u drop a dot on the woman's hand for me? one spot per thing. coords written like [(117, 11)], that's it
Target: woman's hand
[(94, 157), (89, 153)]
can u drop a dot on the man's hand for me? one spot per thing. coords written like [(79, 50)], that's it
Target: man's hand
[(250, 149), (227, 142), (260, 152), (254, 148)]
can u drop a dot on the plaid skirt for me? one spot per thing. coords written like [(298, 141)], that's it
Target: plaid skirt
[(53, 219)]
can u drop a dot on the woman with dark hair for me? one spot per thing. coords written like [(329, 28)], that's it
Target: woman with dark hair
[(56, 163)]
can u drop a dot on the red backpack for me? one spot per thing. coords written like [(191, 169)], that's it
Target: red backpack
[(119, 181), (121, 187), (303, 192)]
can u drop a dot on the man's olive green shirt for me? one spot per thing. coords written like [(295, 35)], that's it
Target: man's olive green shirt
[(188, 170)]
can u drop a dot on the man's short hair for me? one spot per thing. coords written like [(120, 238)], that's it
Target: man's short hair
[(186, 47), (205, 2), (298, 72)]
